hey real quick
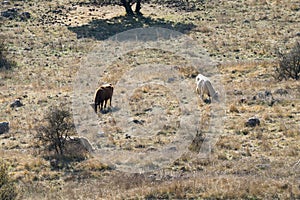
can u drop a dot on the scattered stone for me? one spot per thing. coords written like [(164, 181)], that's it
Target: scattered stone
[(172, 149), (237, 92), (151, 149), (4, 127), (13, 13), (140, 122), (281, 91), (5, 2), (127, 136), (59, 11), (24, 16), (265, 97), (17, 103), (243, 100), (252, 122), (207, 101), (263, 166), (10, 13)]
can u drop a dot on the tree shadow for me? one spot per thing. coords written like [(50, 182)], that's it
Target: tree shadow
[(102, 29)]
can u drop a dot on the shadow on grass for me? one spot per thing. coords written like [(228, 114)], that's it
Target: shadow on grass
[(102, 29)]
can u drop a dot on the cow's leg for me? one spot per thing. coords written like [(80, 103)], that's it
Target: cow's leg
[(105, 102), (101, 106), (202, 92), (95, 107), (110, 101)]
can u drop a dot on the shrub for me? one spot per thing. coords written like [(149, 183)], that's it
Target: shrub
[(289, 64), (59, 126), (4, 62), (7, 187)]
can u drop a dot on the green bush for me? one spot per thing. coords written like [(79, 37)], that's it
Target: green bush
[(7, 187), (289, 64)]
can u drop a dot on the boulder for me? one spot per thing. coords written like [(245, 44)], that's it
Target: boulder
[(80, 143), (10, 13), (4, 127), (252, 122)]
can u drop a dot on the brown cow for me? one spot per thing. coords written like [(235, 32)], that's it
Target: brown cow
[(102, 95)]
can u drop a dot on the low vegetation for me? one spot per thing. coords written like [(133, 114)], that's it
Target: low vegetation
[(260, 162), (7, 186), (5, 63)]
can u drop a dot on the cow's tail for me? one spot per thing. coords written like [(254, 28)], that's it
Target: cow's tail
[(96, 101)]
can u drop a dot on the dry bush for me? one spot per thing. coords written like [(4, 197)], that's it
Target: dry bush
[(4, 62), (289, 64), (59, 127), (7, 187)]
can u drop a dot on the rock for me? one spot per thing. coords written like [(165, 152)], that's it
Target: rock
[(4, 127), (237, 92), (127, 136), (281, 91), (24, 16), (252, 122), (13, 13), (6, 3), (10, 13), (80, 143), (140, 122), (59, 11), (264, 97), (17, 103), (243, 100)]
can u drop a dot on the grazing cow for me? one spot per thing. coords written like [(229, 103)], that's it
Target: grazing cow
[(102, 95), (204, 87)]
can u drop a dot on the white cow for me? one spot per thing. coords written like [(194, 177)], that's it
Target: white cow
[(204, 87)]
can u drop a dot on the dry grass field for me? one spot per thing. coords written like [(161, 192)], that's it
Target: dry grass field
[(242, 37)]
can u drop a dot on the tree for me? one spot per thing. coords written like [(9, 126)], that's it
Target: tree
[(59, 126), (289, 64), (128, 4)]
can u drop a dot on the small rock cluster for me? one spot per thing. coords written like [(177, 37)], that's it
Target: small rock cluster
[(15, 13), (262, 97)]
